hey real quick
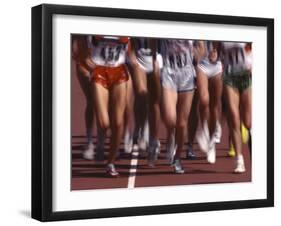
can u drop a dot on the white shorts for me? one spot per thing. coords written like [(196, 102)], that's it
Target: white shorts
[(145, 62), (179, 80), (210, 69)]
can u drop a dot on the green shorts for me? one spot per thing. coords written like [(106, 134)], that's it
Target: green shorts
[(240, 82)]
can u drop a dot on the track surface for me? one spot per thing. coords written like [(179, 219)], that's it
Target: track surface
[(133, 169)]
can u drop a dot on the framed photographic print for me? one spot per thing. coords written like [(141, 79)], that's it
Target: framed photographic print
[(145, 112)]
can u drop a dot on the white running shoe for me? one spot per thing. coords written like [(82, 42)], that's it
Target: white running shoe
[(218, 133), (178, 167), (211, 155), (128, 148), (111, 170), (142, 144), (89, 153), (135, 147), (203, 137), (240, 166)]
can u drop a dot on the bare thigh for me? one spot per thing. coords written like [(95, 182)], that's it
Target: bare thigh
[(232, 100), (118, 103), (138, 75), (154, 86), (169, 107), (215, 90), (184, 104), (101, 98), (203, 93)]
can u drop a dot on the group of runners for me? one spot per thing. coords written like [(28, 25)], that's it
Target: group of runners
[(132, 84)]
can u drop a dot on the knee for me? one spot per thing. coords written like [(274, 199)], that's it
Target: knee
[(182, 124), (117, 123), (142, 94), (170, 123)]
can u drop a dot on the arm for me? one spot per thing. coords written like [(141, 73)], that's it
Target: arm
[(79, 54), (84, 71), (90, 48)]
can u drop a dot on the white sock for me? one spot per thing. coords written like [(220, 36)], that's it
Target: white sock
[(128, 138), (240, 158)]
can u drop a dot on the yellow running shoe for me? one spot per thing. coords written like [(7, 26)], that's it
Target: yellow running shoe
[(244, 134), (231, 152)]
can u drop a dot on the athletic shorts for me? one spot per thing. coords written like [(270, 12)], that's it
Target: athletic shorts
[(110, 76), (240, 82), (210, 69), (145, 62), (179, 80)]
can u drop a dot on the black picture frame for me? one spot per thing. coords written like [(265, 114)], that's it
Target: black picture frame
[(42, 108)]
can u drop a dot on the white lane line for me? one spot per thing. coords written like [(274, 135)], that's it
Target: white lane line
[(133, 169)]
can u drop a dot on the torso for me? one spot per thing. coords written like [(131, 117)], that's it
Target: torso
[(176, 54), (234, 57), (110, 51)]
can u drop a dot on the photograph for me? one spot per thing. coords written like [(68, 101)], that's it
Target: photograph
[(139, 112), (159, 112)]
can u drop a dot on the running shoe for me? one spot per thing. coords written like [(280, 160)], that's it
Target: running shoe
[(240, 166), (211, 155), (178, 167), (111, 170), (189, 153), (231, 151), (135, 147), (128, 148), (244, 134), (218, 133), (203, 137), (142, 144), (89, 152)]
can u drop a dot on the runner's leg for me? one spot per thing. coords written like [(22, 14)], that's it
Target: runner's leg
[(117, 110)]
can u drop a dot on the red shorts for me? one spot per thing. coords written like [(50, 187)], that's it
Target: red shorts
[(110, 76)]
